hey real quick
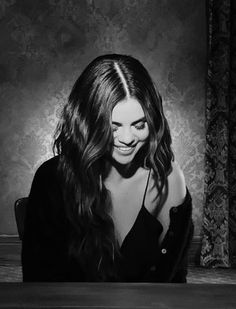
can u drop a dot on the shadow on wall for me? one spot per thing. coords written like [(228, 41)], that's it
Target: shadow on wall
[(44, 46)]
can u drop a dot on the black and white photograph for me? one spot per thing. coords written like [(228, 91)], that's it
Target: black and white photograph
[(118, 154)]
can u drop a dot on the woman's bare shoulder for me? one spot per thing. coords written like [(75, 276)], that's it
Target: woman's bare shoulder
[(176, 186)]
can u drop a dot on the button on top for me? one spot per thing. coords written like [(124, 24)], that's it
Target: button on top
[(174, 209), (163, 251)]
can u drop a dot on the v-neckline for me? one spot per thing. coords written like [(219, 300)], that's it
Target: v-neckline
[(142, 205), (142, 209)]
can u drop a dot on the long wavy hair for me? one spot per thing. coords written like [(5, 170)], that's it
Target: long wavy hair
[(83, 139)]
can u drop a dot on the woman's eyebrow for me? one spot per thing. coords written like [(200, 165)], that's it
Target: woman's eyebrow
[(143, 119)]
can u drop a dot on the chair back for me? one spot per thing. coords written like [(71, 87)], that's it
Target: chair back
[(20, 209)]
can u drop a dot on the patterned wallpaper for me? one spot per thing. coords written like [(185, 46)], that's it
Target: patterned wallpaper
[(46, 43)]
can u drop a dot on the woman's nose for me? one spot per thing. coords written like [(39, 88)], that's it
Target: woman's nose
[(126, 136)]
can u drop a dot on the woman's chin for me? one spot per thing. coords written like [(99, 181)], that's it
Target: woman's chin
[(123, 160)]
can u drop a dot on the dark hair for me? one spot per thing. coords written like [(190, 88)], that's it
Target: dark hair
[(84, 137)]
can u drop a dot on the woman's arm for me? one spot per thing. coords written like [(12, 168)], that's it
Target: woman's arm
[(176, 218), (181, 268), (44, 245)]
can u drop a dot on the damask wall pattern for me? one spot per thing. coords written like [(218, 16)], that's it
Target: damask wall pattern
[(45, 45)]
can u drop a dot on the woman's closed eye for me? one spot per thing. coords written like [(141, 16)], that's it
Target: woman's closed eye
[(114, 128), (140, 125)]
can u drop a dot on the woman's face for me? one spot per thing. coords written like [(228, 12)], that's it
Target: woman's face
[(130, 130)]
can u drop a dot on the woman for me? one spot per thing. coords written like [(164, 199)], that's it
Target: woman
[(113, 205)]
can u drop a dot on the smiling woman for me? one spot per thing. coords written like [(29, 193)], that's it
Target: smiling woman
[(112, 205), (130, 130)]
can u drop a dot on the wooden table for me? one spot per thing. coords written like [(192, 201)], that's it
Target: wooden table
[(117, 295)]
